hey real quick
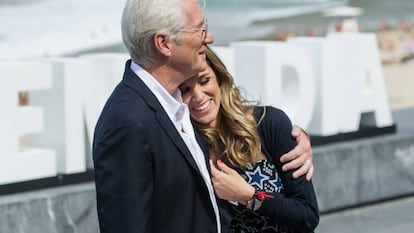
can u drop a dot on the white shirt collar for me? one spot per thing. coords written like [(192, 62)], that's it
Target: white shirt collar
[(172, 104)]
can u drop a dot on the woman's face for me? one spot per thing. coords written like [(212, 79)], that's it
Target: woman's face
[(202, 95)]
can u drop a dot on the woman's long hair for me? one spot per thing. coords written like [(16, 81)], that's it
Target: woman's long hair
[(235, 140)]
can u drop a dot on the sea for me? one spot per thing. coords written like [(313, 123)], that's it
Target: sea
[(42, 28)]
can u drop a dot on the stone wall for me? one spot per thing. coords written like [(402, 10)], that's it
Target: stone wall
[(70, 209), (364, 171), (347, 174)]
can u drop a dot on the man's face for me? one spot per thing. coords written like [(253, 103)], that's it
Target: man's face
[(190, 55)]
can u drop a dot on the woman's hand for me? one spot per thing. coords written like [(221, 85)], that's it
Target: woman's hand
[(230, 185)]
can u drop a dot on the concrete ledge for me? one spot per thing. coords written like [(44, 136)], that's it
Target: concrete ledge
[(369, 170), (69, 209), (366, 170)]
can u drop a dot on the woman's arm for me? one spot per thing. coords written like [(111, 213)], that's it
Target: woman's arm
[(299, 158), (297, 205)]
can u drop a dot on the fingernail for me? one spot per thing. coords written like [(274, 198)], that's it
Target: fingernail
[(219, 161)]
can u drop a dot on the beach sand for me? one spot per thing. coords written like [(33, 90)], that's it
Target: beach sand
[(398, 64), (399, 82)]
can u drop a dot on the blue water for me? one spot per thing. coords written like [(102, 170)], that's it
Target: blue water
[(246, 13), (238, 19), (35, 28)]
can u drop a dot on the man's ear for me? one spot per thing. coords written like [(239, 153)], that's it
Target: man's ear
[(163, 44)]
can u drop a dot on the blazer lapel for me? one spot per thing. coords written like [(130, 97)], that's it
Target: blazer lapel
[(134, 82), (170, 129)]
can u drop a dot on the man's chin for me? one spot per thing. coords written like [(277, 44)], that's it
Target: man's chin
[(203, 66)]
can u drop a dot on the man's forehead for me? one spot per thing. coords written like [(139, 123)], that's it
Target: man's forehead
[(194, 14)]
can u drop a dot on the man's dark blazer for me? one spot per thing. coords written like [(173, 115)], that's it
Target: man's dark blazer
[(146, 178)]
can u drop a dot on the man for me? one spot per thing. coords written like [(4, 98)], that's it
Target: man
[(151, 174)]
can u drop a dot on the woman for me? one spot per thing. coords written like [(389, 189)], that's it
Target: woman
[(246, 143)]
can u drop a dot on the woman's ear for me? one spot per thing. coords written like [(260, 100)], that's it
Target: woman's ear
[(163, 44)]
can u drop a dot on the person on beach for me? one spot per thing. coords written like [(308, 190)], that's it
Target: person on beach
[(245, 145), (151, 169)]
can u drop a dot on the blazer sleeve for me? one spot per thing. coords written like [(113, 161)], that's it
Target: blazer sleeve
[(123, 175), (297, 206)]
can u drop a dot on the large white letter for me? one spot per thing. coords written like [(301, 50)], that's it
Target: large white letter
[(324, 119), (64, 128), (360, 92), (18, 163), (278, 74)]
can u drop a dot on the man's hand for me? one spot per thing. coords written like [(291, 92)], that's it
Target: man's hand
[(301, 156)]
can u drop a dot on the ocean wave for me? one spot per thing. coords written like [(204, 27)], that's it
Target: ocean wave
[(242, 16)]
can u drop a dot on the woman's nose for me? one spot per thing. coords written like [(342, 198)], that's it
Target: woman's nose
[(196, 94)]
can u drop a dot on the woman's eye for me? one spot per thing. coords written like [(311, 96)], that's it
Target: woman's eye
[(204, 80)]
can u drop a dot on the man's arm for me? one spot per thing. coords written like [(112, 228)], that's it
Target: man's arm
[(301, 156), (123, 178)]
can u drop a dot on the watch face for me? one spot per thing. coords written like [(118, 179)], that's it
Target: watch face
[(257, 204), (254, 204), (250, 204)]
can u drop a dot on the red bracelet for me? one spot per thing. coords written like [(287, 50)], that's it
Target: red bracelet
[(256, 202), (262, 195)]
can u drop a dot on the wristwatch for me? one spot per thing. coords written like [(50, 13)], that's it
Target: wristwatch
[(257, 200)]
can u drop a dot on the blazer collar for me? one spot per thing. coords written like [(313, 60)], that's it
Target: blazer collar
[(134, 82)]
